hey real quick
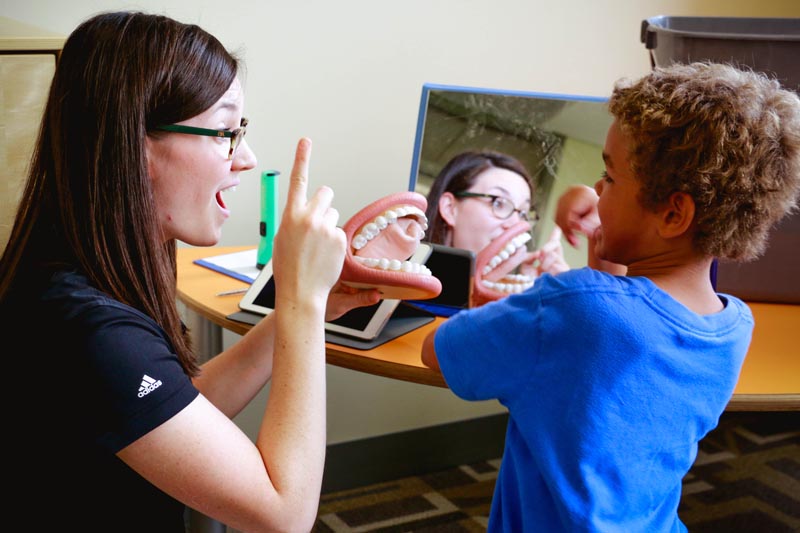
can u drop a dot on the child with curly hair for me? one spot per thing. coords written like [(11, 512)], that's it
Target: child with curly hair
[(612, 378)]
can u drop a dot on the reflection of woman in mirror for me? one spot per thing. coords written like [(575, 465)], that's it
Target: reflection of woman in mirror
[(481, 201)]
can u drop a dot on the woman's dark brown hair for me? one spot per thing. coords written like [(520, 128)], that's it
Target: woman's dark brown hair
[(88, 202)]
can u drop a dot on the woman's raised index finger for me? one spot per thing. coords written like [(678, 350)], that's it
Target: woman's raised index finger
[(298, 183)]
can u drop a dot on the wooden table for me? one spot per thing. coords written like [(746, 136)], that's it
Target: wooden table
[(770, 378)]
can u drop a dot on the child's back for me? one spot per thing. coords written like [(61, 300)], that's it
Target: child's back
[(607, 407)]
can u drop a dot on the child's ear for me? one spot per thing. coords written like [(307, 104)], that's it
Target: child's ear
[(677, 215)]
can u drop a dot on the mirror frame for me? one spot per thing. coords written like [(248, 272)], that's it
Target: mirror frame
[(523, 115)]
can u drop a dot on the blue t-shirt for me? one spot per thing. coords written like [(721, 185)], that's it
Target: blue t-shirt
[(609, 383), (103, 374)]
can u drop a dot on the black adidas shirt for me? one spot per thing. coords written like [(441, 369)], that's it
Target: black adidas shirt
[(102, 375)]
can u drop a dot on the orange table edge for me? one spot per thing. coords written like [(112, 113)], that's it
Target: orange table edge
[(769, 381)]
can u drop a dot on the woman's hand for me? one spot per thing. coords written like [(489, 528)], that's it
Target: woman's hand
[(309, 247), (343, 298), (549, 259)]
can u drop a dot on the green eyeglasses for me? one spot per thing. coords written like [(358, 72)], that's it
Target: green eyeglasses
[(502, 207), (234, 135)]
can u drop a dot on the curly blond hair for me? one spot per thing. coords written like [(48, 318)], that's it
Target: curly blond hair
[(728, 137)]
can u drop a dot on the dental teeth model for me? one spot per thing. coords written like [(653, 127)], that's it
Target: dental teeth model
[(510, 249), (495, 269), (381, 222), (510, 283), (384, 249)]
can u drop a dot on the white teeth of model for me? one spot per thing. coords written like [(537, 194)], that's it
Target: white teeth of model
[(414, 210), (367, 261), (370, 231), (395, 265), (510, 288), (521, 239), (493, 262), (508, 251)]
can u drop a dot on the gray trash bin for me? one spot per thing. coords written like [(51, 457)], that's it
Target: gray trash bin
[(770, 45)]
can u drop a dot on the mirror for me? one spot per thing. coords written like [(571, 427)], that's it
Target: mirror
[(559, 139)]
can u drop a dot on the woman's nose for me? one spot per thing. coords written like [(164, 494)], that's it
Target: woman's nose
[(511, 220), (244, 158)]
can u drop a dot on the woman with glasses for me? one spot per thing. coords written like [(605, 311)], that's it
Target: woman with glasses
[(142, 136), (479, 197)]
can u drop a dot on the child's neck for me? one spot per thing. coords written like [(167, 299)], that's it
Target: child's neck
[(689, 284)]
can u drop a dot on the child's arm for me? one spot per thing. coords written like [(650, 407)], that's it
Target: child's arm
[(576, 213), (429, 352)]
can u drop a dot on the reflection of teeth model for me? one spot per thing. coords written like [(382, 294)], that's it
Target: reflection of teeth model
[(518, 283), (510, 283), (394, 264), (496, 258), (511, 248), (371, 230)]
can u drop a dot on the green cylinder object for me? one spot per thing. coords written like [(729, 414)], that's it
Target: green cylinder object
[(269, 216)]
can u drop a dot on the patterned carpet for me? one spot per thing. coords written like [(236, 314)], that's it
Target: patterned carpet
[(746, 479)]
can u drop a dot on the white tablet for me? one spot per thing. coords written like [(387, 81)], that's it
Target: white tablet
[(361, 323)]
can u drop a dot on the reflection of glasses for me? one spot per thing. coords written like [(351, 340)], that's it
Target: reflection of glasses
[(234, 135), (502, 207)]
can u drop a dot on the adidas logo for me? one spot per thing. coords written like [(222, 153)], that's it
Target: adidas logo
[(148, 385)]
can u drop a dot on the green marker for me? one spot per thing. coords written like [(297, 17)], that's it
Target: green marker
[(269, 216)]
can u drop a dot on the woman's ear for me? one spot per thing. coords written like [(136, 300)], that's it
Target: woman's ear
[(149, 154), (447, 208), (677, 215)]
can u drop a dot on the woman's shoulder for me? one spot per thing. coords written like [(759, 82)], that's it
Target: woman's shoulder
[(69, 296)]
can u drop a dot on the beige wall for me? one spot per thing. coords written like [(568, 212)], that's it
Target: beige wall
[(349, 73)]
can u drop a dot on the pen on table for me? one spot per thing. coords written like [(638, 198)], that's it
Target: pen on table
[(234, 291)]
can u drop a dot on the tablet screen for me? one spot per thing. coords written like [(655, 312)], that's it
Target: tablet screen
[(362, 322), (357, 319)]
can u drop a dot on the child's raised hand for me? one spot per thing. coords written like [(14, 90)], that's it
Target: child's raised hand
[(576, 212), (309, 248)]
